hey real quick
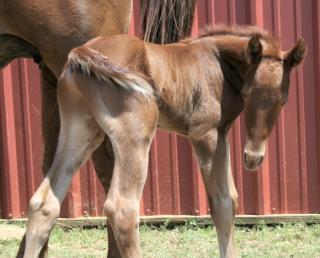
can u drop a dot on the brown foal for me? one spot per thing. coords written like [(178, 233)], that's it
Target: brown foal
[(123, 87), (48, 30)]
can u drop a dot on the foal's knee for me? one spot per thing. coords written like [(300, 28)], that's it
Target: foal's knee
[(224, 202)]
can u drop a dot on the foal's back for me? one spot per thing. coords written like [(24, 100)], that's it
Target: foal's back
[(180, 74), (185, 73)]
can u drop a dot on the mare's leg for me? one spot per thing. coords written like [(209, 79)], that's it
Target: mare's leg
[(12, 47), (79, 137), (50, 117), (213, 154)]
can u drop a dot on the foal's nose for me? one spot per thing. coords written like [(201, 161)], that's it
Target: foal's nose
[(252, 161)]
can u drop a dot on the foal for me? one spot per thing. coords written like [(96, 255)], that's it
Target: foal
[(125, 88)]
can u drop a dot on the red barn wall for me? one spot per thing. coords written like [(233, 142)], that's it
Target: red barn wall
[(288, 182)]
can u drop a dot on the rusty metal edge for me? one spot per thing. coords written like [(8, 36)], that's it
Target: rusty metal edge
[(184, 220)]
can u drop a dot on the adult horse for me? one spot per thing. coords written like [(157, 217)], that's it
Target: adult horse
[(48, 30), (196, 87)]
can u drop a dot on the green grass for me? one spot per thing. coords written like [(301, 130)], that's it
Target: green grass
[(287, 240)]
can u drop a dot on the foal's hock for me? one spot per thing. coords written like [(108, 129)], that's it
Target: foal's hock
[(123, 88)]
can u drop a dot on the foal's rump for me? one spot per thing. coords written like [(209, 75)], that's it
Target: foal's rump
[(115, 96), (92, 64)]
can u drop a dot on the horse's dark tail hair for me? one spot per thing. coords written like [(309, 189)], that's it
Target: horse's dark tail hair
[(166, 21)]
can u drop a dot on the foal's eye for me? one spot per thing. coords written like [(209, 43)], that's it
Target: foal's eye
[(245, 95), (284, 101)]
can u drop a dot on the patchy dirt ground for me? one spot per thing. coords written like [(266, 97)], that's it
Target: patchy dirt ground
[(11, 232)]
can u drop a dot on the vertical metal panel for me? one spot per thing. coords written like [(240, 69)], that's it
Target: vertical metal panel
[(21, 146), (313, 114), (288, 182)]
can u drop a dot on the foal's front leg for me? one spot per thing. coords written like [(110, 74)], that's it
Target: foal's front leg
[(213, 154)]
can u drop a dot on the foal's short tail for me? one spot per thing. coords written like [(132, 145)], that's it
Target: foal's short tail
[(91, 63)]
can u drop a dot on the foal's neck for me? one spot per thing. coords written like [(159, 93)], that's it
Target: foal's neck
[(231, 51)]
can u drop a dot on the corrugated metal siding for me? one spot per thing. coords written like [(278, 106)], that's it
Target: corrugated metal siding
[(289, 181), (21, 147)]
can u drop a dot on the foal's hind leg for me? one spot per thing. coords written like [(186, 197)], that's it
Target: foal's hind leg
[(103, 160), (50, 131), (103, 157), (131, 146), (130, 122), (123, 201), (79, 137), (213, 154)]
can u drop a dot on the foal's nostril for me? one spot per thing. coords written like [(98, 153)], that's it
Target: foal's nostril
[(246, 157), (260, 160)]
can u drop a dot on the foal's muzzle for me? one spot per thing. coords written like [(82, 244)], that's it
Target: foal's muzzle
[(253, 155), (252, 162)]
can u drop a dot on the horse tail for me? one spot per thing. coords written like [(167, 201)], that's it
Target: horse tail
[(93, 64), (167, 21)]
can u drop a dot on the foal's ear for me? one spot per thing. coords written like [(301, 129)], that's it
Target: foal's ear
[(254, 49), (295, 56)]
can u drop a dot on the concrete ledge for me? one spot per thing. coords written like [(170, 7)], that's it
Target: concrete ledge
[(181, 220)]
